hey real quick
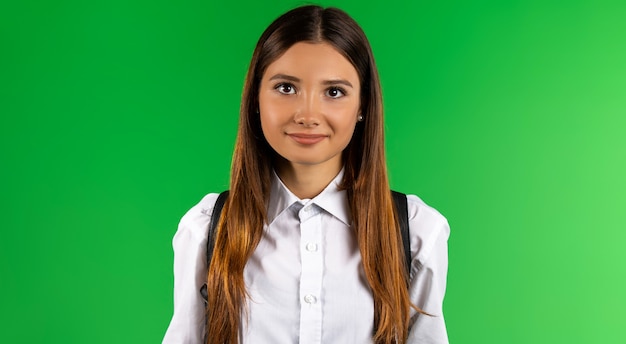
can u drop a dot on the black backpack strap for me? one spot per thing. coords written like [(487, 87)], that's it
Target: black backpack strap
[(210, 243), (215, 219), (399, 199)]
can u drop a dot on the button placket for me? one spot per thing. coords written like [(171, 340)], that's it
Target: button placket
[(311, 274)]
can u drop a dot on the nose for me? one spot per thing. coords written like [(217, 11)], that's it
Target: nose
[(307, 121), (308, 113)]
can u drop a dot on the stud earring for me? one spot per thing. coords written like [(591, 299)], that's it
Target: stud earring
[(360, 118)]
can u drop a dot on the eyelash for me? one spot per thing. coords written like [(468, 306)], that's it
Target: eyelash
[(338, 89), (281, 85)]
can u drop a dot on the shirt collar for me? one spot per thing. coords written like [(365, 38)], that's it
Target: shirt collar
[(331, 199)]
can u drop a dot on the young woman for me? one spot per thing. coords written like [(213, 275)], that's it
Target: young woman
[(308, 247)]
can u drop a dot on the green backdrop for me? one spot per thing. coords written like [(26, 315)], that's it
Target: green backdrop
[(507, 116)]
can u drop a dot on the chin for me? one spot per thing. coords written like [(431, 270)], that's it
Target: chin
[(306, 162), (310, 162)]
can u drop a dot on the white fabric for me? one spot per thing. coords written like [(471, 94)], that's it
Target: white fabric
[(305, 278)]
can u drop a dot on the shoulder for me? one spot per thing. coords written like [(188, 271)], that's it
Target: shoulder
[(194, 224), (190, 273), (428, 228)]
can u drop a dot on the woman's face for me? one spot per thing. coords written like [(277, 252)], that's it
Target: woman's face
[(309, 101)]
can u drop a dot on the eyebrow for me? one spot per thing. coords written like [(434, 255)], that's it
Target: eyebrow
[(325, 82), (284, 77)]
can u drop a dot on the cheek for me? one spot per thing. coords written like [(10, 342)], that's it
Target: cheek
[(269, 116), (274, 111), (345, 121), (269, 126), (273, 126), (344, 129)]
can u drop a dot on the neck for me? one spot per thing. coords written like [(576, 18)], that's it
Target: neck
[(306, 181)]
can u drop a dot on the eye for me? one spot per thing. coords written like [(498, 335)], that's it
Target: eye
[(335, 92), (285, 88)]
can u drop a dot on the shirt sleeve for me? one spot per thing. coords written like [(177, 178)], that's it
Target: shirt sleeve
[(190, 271), (429, 232)]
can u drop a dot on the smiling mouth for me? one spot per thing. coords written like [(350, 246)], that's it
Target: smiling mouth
[(307, 139)]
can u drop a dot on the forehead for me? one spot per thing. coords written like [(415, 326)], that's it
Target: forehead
[(313, 61)]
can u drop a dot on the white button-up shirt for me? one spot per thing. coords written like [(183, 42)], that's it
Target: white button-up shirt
[(305, 279)]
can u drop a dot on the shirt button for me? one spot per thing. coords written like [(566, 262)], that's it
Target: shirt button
[(310, 299), (311, 247), (307, 209)]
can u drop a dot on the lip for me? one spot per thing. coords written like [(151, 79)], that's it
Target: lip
[(307, 139)]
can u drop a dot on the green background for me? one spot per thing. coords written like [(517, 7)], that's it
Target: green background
[(507, 116)]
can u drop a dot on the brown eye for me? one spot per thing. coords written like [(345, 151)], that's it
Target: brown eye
[(335, 92), (285, 88)]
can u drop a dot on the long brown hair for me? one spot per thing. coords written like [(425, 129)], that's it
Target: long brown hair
[(365, 180)]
